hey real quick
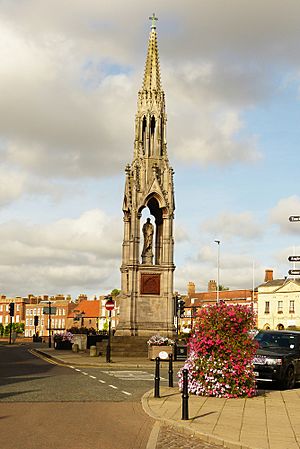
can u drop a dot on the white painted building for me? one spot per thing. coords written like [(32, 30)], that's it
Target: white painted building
[(278, 303)]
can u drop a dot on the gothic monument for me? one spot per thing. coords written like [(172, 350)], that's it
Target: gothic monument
[(146, 300)]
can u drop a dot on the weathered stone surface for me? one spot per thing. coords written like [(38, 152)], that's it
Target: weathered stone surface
[(146, 299)]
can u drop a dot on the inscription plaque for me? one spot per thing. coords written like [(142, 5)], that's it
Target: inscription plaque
[(150, 284)]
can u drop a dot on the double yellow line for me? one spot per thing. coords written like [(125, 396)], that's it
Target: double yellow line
[(47, 359)]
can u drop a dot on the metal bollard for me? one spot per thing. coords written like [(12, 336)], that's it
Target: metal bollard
[(171, 370), (185, 396), (157, 377)]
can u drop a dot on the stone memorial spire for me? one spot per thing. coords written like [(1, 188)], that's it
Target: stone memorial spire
[(146, 301)]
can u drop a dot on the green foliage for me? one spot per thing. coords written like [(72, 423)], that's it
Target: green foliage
[(115, 292)]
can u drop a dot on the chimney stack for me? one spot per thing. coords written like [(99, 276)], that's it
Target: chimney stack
[(191, 289), (268, 275), (212, 286)]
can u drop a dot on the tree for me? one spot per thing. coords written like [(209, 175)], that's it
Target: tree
[(222, 288), (221, 352), (115, 292)]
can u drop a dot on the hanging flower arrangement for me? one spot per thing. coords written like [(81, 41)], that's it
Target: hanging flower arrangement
[(221, 351)]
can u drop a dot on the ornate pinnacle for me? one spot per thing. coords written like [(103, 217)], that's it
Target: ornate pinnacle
[(154, 19)]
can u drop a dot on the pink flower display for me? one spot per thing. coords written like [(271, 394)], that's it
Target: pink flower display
[(221, 351)]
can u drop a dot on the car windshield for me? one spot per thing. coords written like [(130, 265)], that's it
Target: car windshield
[(276, 340)]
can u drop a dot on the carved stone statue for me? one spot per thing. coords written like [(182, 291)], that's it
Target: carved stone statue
[(148, 231)]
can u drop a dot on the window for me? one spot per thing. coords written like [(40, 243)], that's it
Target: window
[(18, 307), (1, 318), (31, 322), (280, 307), (26, 321), (267, 307), (17, 318), (7, 308), (292, 306), (1, 308)]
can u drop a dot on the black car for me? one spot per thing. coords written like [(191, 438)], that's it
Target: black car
[(277, 359)]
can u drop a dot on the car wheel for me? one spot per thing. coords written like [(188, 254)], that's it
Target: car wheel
[(289, 380)]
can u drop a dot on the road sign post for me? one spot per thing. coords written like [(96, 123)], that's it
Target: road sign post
[(109, 305)]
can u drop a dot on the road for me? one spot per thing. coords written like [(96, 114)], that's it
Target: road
[(44, 405)]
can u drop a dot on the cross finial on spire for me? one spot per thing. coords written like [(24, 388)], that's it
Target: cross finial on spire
[(153, 18)]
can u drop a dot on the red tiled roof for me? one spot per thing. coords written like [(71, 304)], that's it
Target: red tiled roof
[(226, 295), (90, 309)]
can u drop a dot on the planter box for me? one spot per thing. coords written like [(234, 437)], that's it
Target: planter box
[(58, 344), (154, 351)]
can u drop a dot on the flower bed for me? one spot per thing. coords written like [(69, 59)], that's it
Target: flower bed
[(63, 341), (221, 353)]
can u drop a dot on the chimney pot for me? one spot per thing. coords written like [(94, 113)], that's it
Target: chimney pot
[(268, 275)]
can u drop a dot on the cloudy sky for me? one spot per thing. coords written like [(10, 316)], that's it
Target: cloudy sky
[(69, 76)]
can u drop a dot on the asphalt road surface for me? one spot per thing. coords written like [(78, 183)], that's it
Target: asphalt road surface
[(46, 406)]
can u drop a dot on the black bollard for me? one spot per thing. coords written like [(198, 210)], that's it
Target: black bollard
[(185, 395), (157, 377), (171, 370)]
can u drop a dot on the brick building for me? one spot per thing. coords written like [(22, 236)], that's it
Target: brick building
[(195, 300)]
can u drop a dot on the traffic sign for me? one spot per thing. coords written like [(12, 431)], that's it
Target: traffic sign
[(294, 258), (110, 304), (294, 272), (294, 218)]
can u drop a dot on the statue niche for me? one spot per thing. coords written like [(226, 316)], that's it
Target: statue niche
[(147, 253)]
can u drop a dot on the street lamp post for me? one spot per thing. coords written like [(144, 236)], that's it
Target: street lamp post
[(49, 342), (218, 270)]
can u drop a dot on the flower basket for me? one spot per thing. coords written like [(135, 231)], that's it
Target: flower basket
[(159, 346), (63, 341)]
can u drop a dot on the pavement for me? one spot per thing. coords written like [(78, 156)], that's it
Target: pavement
[(271, 420)]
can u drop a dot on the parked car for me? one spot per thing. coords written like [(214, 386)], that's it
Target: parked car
[(277, 359)]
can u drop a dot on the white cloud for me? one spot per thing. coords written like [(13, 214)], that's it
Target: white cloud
[(232, 225), (69, 85), (67, 253), (280, 214)]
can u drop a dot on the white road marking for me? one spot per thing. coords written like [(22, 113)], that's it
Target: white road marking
[(102, 381), (86, 374), (93, 377), (70, 366), (131, 375), (113, 386), (76, 369), (126, 392)]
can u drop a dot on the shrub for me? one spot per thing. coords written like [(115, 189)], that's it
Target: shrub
[(221, 352)]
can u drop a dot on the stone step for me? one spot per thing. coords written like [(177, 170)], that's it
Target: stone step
[(129, 346)]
